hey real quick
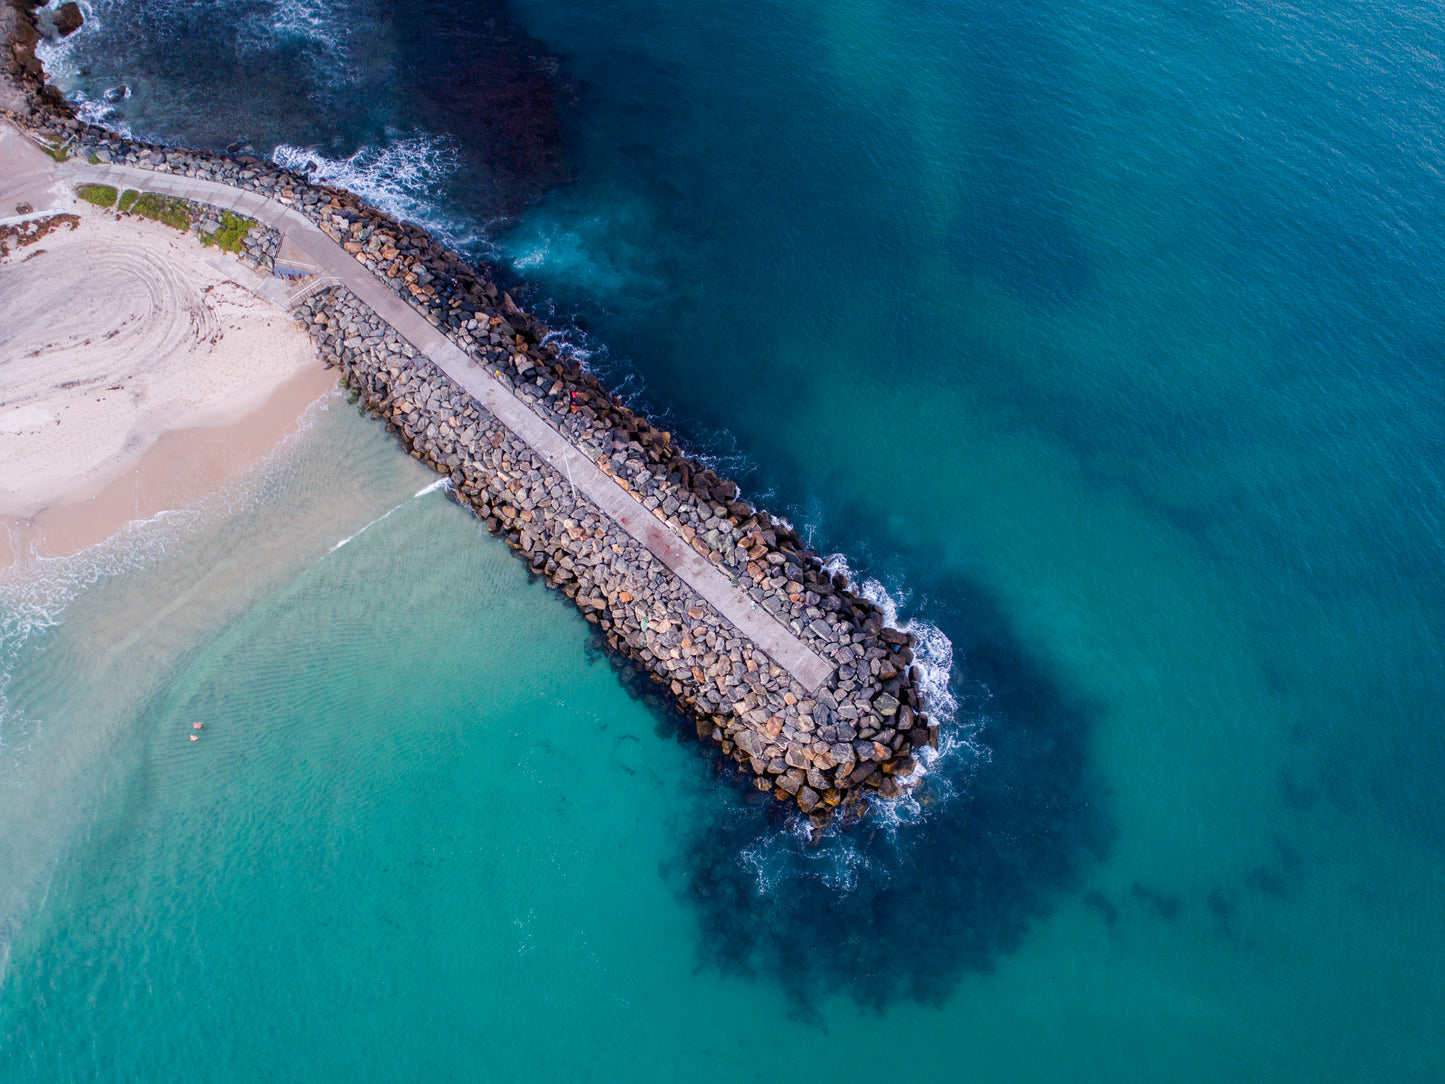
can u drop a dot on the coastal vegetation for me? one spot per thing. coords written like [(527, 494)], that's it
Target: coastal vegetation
[(164, 209), (231, 234), (102, 195), (127, 200), (839, 722), (57, 150)]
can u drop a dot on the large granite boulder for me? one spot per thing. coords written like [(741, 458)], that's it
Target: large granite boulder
[(68, 19)]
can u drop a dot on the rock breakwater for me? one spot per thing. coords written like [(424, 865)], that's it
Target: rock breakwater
[(824, 744), (820, 748)]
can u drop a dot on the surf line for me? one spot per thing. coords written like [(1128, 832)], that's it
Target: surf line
[(443, 483)]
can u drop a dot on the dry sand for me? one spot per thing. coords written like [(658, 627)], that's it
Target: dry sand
[(138, 370)]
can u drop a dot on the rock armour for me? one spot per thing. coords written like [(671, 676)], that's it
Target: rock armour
[(823, 750)]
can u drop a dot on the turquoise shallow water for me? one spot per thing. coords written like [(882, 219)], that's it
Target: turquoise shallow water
[(1106, 338)]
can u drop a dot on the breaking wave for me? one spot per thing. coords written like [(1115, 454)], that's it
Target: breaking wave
[(930, 886), (324, 28), (406, 177), (957, 737), (36, 592)]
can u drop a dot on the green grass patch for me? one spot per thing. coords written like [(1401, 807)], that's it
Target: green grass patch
[(56, 151), (166, 209), (102, 195), (127, 199), (232, 232), (93, 158)]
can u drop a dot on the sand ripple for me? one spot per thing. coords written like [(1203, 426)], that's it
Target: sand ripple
[(114, 334)]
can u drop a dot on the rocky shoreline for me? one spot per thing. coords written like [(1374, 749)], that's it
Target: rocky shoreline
[(825, 749)]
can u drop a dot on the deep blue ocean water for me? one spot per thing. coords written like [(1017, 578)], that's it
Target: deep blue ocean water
[(1105, 339)]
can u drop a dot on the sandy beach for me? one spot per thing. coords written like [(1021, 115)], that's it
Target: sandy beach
[(138, 369)]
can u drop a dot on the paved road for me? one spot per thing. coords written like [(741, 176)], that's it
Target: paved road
[(766, 631)]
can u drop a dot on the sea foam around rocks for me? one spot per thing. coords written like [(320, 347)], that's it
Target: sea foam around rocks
[(406, 178)]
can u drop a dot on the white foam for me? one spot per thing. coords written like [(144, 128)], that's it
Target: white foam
[(777, 858), (838, 860), (37, 590), (767, 860), (405, 177), (298, 20), (840, 865), (59, 57), (55, 53), (441, 483), (589, 254), (568, 347), (957, 738), (102, 114), (569, 255)]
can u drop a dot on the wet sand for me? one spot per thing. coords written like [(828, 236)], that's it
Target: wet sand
[(181, 467), (138, 370)]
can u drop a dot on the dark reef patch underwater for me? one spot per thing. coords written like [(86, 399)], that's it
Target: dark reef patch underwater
[(1001, 827), (903, 908), (1106, 336)]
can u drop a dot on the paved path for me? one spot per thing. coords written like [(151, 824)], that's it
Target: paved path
[(766, 631)]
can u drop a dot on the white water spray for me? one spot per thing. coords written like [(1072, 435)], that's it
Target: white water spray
[(441, 483)]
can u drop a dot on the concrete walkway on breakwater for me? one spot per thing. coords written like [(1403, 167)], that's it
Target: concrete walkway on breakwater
[(331, 260)]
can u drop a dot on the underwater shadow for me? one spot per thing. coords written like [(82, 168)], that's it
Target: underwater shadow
[(883, 912)]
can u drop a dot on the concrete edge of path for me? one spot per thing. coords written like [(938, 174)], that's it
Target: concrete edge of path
[(763, 628)]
